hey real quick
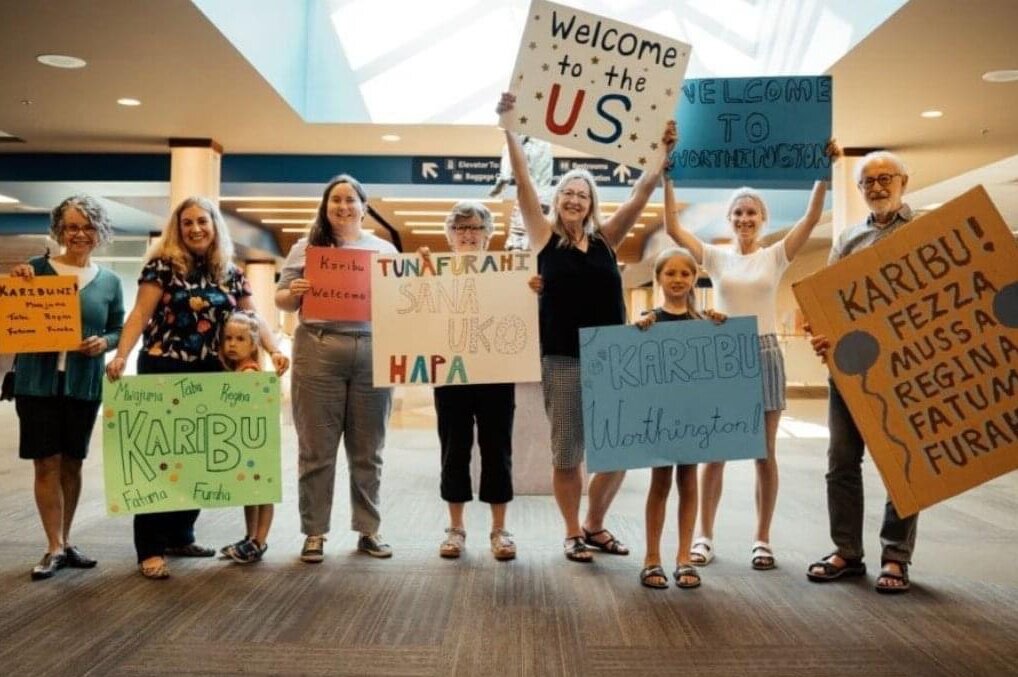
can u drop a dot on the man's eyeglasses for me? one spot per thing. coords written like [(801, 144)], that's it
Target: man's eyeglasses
[(467, 229), (75, 229), (883, 179), (574, 194)]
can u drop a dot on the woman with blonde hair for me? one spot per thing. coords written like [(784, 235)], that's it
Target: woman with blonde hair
[(188, 289), (582, 287)]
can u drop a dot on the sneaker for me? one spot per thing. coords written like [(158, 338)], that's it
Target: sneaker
[(455, 541), (49, 565), (248, 552), (502, 545), (372, 544), (190, 550), (313, 550), (224, 552), (76, 559)]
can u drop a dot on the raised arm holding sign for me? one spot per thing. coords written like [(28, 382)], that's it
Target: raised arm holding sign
[(582, 287)]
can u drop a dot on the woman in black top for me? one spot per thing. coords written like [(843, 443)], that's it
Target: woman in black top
[(582, 288)]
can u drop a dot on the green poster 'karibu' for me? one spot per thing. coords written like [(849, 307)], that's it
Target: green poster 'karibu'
[(181, 441)]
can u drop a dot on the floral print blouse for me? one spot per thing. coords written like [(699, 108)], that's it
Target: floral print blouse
[(187, 322)]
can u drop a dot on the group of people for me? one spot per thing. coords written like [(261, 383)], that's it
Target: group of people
[(194, 313)]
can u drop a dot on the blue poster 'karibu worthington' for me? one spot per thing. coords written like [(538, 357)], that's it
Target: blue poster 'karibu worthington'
[(768, 132), (678, 393)]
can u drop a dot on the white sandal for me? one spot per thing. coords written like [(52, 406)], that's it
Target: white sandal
[(702, 552), (763, 556)]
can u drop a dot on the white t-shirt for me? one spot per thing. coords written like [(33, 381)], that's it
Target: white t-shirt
[(747, 284), (84, 275)]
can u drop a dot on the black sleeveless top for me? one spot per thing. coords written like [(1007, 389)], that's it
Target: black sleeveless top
[(581, 289)]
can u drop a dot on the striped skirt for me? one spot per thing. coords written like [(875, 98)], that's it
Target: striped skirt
[(772, 371)]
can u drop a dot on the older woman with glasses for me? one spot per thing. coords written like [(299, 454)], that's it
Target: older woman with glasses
[(492, 406), (57, 395), (582, 287)]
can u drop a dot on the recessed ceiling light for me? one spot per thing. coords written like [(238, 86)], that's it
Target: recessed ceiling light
[(930, 114), (391, 138), (1001, 76), (281, 221), (933, 205), (4, 200), (126, 101), (60, 61)]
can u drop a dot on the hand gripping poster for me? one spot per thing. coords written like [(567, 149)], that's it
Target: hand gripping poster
[(595, 85), (924, 333)]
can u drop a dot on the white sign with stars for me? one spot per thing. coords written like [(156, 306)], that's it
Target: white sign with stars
[(594, 85)]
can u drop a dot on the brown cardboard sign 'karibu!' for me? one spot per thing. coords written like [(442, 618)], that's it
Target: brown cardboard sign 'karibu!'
[(924, 333)]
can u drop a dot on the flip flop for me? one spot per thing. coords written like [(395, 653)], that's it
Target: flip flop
[(702, 552)]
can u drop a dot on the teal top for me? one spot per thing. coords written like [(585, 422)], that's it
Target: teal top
[(102, 314)]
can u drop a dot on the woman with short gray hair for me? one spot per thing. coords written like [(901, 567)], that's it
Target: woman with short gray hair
[(67, 386), (491, 406)]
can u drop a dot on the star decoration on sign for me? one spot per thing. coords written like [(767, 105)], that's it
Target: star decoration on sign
[(537, 17), (632, 137), (532, 45), (637, 118), (521, 77), (594, 60), (668, 92), (653, 106), (545, 67), (539, 95), (523, 120), (554, 46), (653, 146), (642, 161)]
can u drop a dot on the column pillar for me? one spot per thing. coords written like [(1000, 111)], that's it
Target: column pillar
[(262, 277), (194, 169)]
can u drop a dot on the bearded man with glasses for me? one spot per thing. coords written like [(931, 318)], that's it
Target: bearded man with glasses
[(881, 179)]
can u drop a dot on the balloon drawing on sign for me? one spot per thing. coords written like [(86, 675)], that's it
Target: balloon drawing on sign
[(855, 353), (1005, 305)]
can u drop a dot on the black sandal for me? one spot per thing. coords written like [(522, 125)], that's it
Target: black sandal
[(653, 571), (612, 546), (576, 551), (887, 575), (831, 572), (686, 571)]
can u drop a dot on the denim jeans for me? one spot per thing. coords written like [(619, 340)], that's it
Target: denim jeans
[(845, 492)]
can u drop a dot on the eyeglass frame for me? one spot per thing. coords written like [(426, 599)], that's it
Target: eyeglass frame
[(74, 229), (867, 182)]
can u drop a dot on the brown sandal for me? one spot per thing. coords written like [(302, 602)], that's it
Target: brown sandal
[(611, 545), (156, 572)]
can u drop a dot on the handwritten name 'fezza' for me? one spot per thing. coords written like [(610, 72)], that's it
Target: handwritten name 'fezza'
[(694, 359), (218, 436)]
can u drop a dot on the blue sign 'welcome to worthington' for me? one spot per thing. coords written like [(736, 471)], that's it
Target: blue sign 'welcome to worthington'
[(678, 393), (767, 132)]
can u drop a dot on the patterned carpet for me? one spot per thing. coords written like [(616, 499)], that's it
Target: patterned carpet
[(539, 615)]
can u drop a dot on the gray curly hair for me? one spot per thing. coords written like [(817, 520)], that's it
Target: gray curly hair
[(92, 210)]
